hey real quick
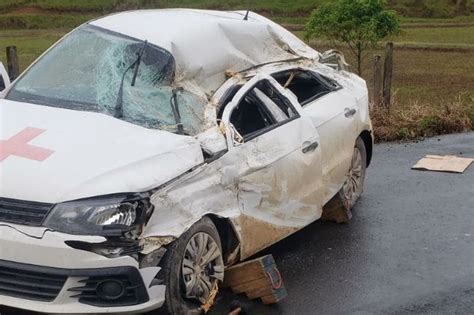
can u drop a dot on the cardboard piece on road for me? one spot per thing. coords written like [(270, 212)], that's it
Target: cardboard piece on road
[(447, 163)]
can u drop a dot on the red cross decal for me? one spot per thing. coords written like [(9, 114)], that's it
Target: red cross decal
[(18, 146)]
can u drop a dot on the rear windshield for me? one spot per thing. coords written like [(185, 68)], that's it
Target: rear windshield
[(85, 72)]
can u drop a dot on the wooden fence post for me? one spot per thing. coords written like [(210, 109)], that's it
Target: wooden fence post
[(378, 80), (12, 63), (387, 75)]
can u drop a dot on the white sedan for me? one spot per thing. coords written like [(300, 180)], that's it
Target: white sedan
[(147, 151)]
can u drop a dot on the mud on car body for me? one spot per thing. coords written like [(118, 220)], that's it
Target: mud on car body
[(141, 155)]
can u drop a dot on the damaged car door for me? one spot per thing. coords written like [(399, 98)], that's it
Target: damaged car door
[(334, 116), (333, 110), (277, 156)]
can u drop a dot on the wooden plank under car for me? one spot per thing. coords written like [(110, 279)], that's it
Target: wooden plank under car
[(258, 278)]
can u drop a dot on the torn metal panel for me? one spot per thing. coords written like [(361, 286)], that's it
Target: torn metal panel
[(153, 243), (334, 59), (210, 189), (235, 45)]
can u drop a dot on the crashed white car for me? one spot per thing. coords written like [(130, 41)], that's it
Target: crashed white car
[(148, 150)]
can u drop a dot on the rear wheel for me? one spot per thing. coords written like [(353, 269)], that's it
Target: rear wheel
[(191, 269), (355, 177)]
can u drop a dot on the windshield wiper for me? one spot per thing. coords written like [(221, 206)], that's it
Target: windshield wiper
[(175, 109), (119, 102)]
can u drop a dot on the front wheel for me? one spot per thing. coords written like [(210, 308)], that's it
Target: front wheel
[(191, 269)]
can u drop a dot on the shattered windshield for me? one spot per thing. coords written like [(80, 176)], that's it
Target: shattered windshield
[(84, 72)]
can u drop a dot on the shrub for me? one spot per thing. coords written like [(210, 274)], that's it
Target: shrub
[(423, 120)]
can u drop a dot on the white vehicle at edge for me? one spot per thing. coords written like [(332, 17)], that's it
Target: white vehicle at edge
[(148, 150), (4, 79)]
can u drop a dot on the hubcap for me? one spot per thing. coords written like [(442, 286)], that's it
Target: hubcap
[(353, 186), (202, 267)]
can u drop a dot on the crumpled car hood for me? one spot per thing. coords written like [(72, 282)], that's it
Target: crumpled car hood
[(54, 155)]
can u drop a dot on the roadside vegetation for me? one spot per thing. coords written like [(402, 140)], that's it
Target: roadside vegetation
[(359, 25), (433, 83), (420, 120)]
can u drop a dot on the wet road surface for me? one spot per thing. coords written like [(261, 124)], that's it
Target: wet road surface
[(408, 249)]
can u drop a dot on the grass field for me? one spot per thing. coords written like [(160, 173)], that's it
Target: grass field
[(433, 58), (427, 76), (438, 35), (30, 43)]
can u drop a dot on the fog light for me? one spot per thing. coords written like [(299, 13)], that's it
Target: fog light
[(110, 289)]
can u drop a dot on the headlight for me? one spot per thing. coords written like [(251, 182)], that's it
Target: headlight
[(99, 216)]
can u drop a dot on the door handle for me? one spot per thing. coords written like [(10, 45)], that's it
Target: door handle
[(310, 146), (350, 112)]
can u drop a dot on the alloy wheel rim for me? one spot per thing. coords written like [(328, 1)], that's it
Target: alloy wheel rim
[(202, 266), (353, 183)]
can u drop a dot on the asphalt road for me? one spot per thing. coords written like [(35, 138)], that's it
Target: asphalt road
[(408, 249)]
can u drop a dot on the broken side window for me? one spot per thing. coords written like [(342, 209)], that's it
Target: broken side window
[(85, 70), (306, 85), (260, 110)]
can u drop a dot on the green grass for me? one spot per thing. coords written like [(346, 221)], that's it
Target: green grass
[(32, 21), (432, 77), (448, 35), (296, 20), (75, 5), (425, 76), (11, 4), (30, 43), (69, 5), (457, 19)]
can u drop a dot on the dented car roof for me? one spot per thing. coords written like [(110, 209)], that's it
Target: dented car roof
[(224, 41)]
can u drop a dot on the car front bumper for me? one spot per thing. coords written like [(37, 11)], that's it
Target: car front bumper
[(40, 272)]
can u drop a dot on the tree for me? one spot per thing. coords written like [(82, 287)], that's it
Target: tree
[(358, 23)]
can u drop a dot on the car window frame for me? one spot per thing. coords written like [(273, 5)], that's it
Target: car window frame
[(275, 125), (334, 87)]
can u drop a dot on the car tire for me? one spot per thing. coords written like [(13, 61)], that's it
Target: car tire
[(176, 263), (354, 185)]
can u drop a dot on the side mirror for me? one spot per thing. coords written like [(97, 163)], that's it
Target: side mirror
[(4, 79), (212, 141)]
